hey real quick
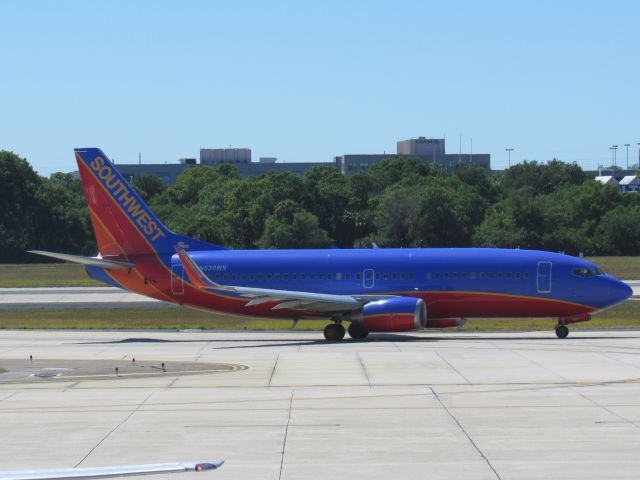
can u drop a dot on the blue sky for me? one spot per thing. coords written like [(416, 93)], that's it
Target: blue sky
[(306, 81)]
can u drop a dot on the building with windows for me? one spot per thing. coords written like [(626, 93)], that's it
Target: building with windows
[(216, 156), (630, 183), (431, 150), (168, 172)]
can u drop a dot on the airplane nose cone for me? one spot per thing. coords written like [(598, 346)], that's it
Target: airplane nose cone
[(620, 291)]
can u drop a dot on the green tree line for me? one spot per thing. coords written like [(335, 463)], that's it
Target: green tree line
[(398, 203)]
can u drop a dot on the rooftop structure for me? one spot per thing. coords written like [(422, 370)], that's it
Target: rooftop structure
[(431, 150), (606, 180), (209, 156), (630, 183), (421, 146)]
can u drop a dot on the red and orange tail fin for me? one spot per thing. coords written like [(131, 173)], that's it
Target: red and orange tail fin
[(123, 224)]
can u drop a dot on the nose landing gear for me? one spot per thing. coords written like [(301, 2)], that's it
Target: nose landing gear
[(562, 331)]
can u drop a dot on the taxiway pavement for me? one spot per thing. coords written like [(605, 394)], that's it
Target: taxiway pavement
[(74, 297), (446, 406)]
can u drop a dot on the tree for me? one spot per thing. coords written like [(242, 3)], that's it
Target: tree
[(435, 212), (329, 198), (542, 178), (291, 226), (19, 185), (61, 217), (392, 171), (191, 182), (476, 177), (517, 220), (148, 186), (621, 229), (398, 218)]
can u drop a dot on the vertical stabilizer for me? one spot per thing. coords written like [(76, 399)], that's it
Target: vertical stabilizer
[(123, 224)]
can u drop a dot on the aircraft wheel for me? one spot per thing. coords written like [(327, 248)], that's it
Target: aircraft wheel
[(334, 332), (562, 331), (357, 332)]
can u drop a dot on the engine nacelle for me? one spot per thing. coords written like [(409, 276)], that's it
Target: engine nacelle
[(398, 314)]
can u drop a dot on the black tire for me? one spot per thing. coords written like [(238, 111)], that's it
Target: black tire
[(562, 331), (357, 332), (334, 332)]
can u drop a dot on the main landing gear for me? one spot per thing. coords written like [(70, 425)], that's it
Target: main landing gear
[(562, 331), (334, 332), (357, 332)]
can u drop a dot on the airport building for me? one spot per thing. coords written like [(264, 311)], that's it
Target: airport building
[(216, 156), (431, 150), (167, 172), (238, 157), (625, 180)]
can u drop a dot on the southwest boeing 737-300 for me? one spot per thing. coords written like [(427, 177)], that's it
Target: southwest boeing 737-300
[(374, 290)]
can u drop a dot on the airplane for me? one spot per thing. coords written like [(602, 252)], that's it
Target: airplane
[(374, 290), (110, 472)]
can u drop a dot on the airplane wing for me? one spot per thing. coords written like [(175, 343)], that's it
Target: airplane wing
[(289, 299), (92, 261), (110, 472)]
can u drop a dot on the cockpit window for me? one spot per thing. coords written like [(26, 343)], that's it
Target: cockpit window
[(587, 272)]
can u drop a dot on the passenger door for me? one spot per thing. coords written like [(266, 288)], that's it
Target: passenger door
[(368, 278), (544, 277), (177, 285)]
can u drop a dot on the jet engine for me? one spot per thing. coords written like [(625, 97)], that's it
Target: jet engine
[(397, 314)]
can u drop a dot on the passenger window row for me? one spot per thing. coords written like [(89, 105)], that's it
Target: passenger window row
[(369, 275), (312, 276), (477, 275)]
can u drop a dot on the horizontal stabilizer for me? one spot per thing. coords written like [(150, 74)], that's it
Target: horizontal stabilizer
[(92, 261)]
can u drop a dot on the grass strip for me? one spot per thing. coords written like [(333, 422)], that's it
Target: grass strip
[(32, 275), (624, 268)]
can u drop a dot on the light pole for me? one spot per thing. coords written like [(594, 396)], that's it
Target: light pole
[(613, 149), (509, 150), (627, 145), (612, 159)]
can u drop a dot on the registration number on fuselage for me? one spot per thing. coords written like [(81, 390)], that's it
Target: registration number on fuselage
[(214, 268)]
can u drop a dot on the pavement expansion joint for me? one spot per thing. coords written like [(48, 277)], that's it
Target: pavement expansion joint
[(462, 429), (286, 432), (113, 430)]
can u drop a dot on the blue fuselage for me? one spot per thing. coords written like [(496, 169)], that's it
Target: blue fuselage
[(454, 282)]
